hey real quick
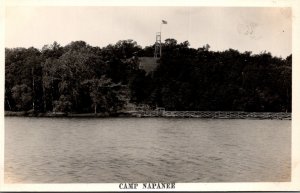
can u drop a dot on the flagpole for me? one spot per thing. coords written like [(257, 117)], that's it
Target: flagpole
[(158, 43), (160, 40), (160, 27)]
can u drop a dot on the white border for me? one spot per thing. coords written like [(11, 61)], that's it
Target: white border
[(294, 185), (2, 81)]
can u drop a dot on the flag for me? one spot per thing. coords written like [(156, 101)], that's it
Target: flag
[(164, 22)]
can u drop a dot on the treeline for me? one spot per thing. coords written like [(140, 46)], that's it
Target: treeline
[(80, 78)]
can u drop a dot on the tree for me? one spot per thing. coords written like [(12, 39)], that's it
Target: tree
[(81, 78), (22, 94), (106, 96), (64, 104)]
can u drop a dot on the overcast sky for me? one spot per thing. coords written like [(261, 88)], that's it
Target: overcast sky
[(244, 29)]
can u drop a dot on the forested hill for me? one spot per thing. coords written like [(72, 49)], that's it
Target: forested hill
[(80, 78)]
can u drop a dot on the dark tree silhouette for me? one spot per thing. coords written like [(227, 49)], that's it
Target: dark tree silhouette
[(84, 79)]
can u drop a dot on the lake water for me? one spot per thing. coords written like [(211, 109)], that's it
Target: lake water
[(103, 150)]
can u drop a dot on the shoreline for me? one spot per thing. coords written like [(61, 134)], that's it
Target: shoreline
[(163, 114)]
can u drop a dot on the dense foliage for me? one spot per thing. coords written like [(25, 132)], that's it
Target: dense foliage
[(80, 78)]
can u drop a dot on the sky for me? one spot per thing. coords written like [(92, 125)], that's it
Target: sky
[(254, 29)]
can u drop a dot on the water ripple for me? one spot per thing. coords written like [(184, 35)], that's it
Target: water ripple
[(47, 150)]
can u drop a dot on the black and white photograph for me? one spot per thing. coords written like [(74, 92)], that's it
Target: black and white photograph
[(150, 97)]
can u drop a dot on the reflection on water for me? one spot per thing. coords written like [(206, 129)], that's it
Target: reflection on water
[(58, 150)]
